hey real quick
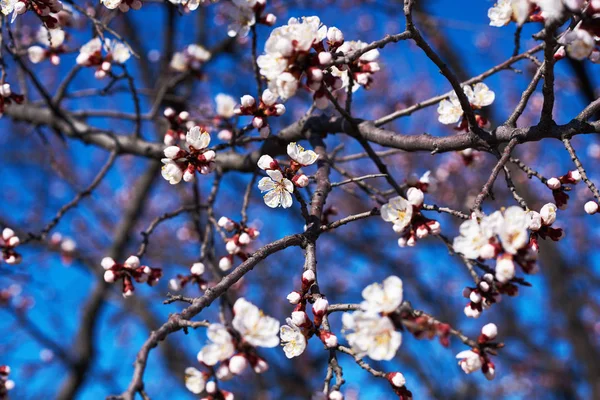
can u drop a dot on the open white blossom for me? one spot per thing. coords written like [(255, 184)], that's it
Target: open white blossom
[(255, 328), (50, 37), (293, 340), (301, 156), (384, 298), (243, 17), (579, 44), (374, 335), (450, 110), (501, 13), (171, 171), (472, 239), (279, 189), (469, 361), (398, 211), (197, 138), (195, 381), (513, 233), (220, 347), (225, 105), (479, 95)]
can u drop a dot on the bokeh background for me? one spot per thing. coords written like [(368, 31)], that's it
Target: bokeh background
[(550, 330)]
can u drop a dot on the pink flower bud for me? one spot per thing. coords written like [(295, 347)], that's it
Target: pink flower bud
[(244, 239), (315, 74), (553, 183), (174, 285), (247, 101), (258, 122), (109, 276), (172, 152), (415, 196), (279, 109), (434, 227), (475, 297), (422, 232), (484, 286), (396, 379), (490, 331), (107, 263), (189, 173), (169, 112), (489, 278), (225, 264), (211, 387), (299, 318), (232, 247), (320, 306), (197, 268), (226, 224), (471, 312), (548, 214), (575, 176), (490, 374), (294, 297), (237, 364), (336, 395), (225, 135), (100, 74), (105, 66), (308, 277), (223, 373), (13, 241), (329, 339), (591, 207), (300, 180), (184, 115), (334, 36), (411, 241), (209, 155), (270, 19), (260, 366), (269, 98), (325, 58)]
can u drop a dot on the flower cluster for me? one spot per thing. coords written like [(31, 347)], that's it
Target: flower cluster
[(559, 191), (183, 163), (268, 106), (190, 59), (195, 277), (450, 110), (245, 14), (90, 55), (189, 5), (521, 11), (477, 359), (406, 217), (374, 333), (52, 41), (234, 348), (123, 5), (238, 243), (179, 124), (300, 328), (279, 185), (5, 383), (43, 9), (130, 269), (289, 57), (7, 97), (7, 246), (506, 238)]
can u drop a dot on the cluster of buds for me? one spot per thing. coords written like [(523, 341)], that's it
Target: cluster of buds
[(559, 190), (279, 185), (123, 5), (541, 225), (398, 382), (486, 293), (426, 327), (65, 245), (7, 97), (7, 246), (130, 270), (179, 124), (5, 383), (183, 163), (407, 218), (90, 55), (300, 319), (52, 41), (477, 359), (267, 107), (238, 243), (190, 59), (247, 14), (195, 277), (43, 8)]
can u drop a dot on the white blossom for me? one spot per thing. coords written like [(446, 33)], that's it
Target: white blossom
[(513, 233), (171, 171), (301, 156), (374, 335), (197, 138), (579, 44), (398, 211), (50, 37), (220, 346), (195, 381), (501, 13), (255, 328), (450, 110), (505, 269), (469, 361), (225, 105), (548, 213), (278, 189), (479, 95), (293, 340), (383, 298)]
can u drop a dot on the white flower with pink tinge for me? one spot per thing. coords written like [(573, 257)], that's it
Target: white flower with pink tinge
[(254, 327), (278, 189), (300, 155), (195, 381), (220, 347), (292, 339), (383, 298), (374, 335), (399, 212), (469, 361)]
